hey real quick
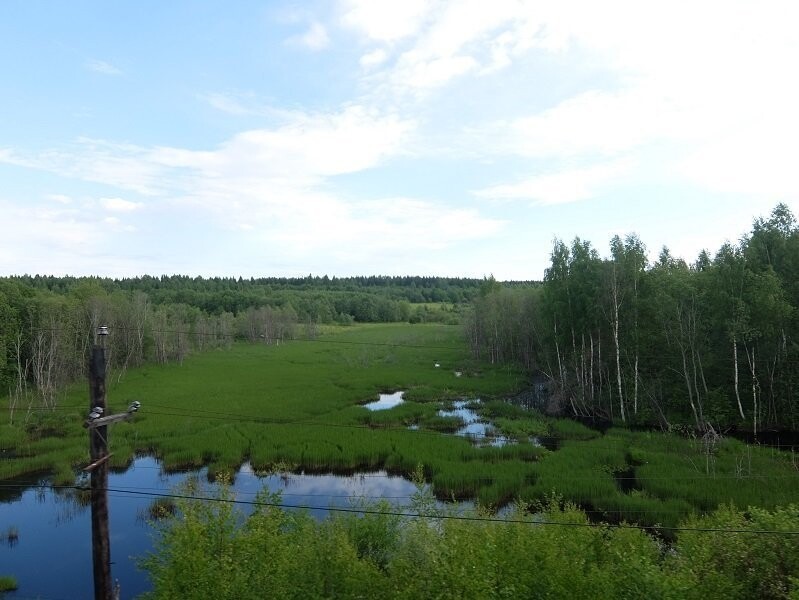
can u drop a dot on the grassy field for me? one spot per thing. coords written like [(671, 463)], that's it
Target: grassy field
[(298, 406)]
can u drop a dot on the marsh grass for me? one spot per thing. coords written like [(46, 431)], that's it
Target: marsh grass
[(300, 404), (7, 584), (160, 509)]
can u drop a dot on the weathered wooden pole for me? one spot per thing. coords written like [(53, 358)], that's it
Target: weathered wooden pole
[(98, 450)]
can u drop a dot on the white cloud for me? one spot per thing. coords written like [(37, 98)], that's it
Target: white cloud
[(319, 224), (315, 38), (708, 81), (241, 103), (590, 123), (274, 186), (562, 187), (306, 148), (47, 239), (757, 160), (311, 146), (373, 58), (435, 72), (59, 198), (228, 103), (386, 20), (119, 204), (445, 40), (102, 67)]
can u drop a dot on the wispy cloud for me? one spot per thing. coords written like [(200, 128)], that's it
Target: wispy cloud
[(246, 104), (119, 205), (59, 198), (228, 103), (570, 185), (386, 20), (315, 37), (102, 67), (373, 58)]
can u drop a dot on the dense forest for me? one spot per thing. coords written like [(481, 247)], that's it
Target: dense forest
[(709, 344), (325, 296)]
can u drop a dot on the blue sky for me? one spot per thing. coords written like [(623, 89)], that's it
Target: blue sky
[(386, 137)]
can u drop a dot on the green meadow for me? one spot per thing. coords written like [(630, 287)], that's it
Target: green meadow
[(298, 406)]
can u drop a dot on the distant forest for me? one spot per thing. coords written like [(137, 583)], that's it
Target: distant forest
[(47, 323), (710, 344), (216, 295)]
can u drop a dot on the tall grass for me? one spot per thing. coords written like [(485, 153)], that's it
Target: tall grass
[(299, 405)]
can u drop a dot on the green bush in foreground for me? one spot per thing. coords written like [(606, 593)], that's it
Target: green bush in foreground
[(206, 551)]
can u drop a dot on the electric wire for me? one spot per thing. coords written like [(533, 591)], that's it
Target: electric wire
[(440, 517)]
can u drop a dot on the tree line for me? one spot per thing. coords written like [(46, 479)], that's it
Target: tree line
[(708, 344), (230, 294)]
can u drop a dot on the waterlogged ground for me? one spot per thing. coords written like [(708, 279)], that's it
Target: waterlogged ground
[(475, 428), (302, 406), (55, 529)]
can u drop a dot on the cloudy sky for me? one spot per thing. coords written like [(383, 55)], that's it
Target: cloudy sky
[(386, 137)]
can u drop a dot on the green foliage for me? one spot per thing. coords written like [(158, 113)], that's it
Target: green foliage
[(555, 553), (744, 565), (714, 343)]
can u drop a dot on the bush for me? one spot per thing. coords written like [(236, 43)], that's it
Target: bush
[(209, 551)]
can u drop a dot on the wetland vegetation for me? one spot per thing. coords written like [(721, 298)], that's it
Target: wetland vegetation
[(282, 376), (298, 406)]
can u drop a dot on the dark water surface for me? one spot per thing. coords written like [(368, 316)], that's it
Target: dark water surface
[(52, 557)]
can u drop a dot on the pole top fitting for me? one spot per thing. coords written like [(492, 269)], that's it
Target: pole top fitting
[(102, 330)]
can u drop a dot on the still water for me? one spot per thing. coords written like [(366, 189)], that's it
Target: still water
[(386, 401), (52, 557), (481, 432)]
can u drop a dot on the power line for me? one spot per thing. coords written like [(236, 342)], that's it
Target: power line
[(450, 517), (477, 481)]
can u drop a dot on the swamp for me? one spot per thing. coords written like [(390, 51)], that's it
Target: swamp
[(296, 423)]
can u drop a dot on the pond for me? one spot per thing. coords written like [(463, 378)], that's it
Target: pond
[(55, 528), (482, 433), (386, 401)]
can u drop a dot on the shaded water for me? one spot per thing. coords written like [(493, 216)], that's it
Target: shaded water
[(55, 529)]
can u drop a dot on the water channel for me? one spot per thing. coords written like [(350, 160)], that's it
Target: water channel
[(482, 433)]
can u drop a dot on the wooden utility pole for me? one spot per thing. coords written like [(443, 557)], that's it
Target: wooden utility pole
[(97, 424), (98, 451)]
